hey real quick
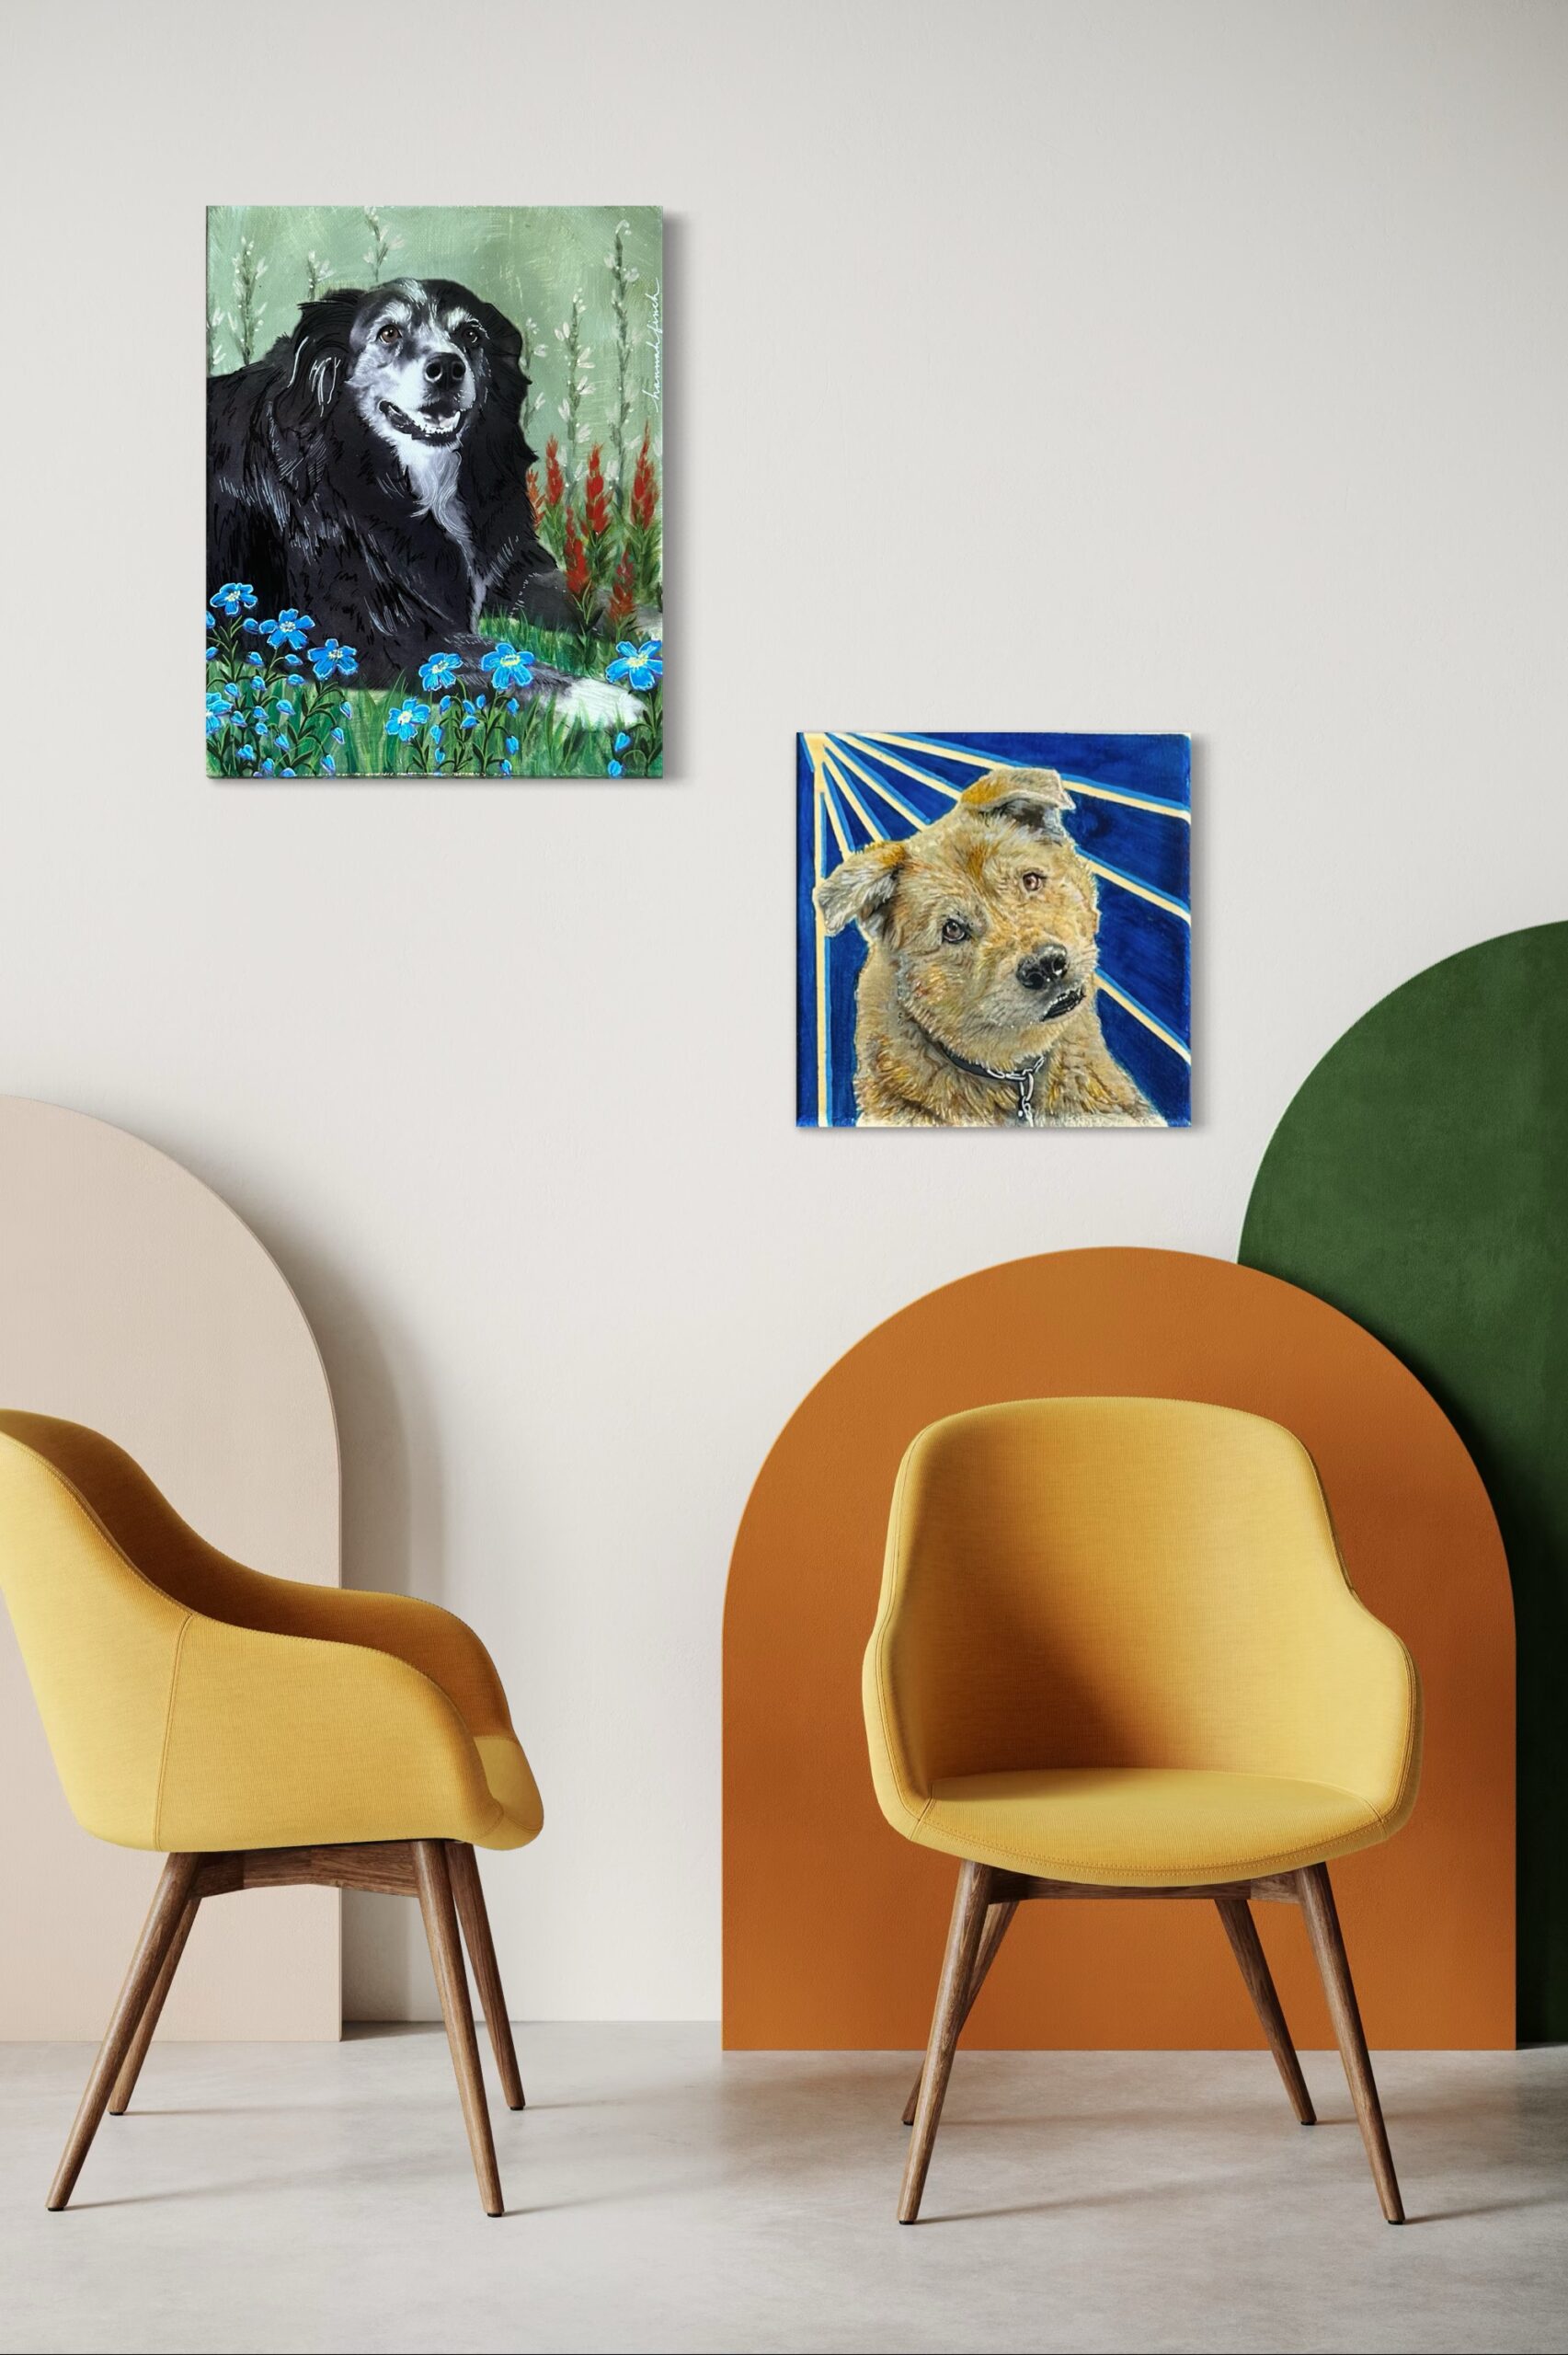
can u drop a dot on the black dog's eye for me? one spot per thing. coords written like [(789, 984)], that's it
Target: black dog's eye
[(391, 333), (953, 932), (468, 334), (1032, 880)]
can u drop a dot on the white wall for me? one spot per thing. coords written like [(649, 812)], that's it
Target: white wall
[(1115, 366)]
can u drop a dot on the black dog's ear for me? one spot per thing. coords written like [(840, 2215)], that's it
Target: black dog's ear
[(503, 338), (1031, 797), (318, 358)]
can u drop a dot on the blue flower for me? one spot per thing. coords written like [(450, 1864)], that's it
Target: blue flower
[(268, 769), (285, 710), (337, 735), (289, 629), (439, 672), (509, 665), (252, 625), (640, 666), (616, 769), (621, 742), (257, 658), (290, 772), (334, 661), (247, 751), (512, 743), (293, 661), (406, 720), (211, 654), (234, 597), (329, 766), (346, 709), (219, 711), (505, 768)]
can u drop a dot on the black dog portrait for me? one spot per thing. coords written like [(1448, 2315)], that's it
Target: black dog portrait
[(371, 469)]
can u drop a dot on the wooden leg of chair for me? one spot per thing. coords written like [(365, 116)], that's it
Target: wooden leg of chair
[(434, 1879), (1242, 1931), (998, 1919), (161, 1928), (152, 2011), (468, 1889), (963, 1936), (1322, 1927)]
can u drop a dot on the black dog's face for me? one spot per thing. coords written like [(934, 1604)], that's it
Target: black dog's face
[(419, 362)]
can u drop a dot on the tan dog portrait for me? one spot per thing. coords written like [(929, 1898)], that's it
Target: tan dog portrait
[(975, 1007)]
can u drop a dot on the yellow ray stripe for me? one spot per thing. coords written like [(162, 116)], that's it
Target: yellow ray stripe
[(1167, 1038), (878, 785), (828, 803), (988, 760), (922, 776), (1144, 890), (878, 834)]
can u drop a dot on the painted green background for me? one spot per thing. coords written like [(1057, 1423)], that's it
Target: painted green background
[(528, 259), (1419, 1181)]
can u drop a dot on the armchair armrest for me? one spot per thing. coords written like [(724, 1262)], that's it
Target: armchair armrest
[(284, 1741)]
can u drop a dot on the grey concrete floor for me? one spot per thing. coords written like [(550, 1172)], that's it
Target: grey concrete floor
[(663, 2196)]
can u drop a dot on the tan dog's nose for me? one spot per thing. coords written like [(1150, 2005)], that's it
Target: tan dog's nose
[(1042, 967)]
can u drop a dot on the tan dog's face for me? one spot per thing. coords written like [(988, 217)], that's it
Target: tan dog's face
[(986, 919)]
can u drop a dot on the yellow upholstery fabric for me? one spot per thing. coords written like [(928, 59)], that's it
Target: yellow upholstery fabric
[(1116, 1645), (193, 1704)]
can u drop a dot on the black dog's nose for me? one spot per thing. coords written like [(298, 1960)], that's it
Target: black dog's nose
[(1038, 970), (446, 368)]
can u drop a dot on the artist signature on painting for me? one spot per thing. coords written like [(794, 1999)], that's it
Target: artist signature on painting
[(656, 339)]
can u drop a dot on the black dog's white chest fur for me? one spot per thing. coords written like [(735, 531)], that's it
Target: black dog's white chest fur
[(433, 479)]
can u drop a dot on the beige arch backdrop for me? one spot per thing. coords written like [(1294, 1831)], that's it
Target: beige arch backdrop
[(133, 1299)]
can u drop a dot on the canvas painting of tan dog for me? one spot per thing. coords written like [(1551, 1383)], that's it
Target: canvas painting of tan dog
[(994, 942)]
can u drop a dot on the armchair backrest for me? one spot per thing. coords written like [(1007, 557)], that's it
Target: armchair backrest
[(99, 1640), (1084, 1582)]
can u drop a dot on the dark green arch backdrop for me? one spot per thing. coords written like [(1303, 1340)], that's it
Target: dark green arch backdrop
[(1419, 1182)]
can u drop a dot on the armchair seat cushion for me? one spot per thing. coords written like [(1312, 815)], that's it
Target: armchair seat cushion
[(1152, 1827)]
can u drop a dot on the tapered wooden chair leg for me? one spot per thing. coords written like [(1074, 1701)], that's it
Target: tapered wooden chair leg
[(1322, 1927), (998, 1919), (1245, 1945), (161, 1928), (958, 1971), (433, 1877), (468, 1889), (152, 2011)]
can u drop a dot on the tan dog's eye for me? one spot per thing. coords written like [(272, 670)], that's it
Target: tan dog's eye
[(388, 334), (953, 932), (1033, 880)]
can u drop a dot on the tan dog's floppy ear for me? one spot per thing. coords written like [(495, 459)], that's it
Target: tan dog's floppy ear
[(860, 890), (1032, 798)]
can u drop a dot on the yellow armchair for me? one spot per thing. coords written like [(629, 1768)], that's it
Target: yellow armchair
[(1116, 1654), (260, 1730)]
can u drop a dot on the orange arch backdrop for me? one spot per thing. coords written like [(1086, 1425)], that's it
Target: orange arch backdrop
[(833, 1926)]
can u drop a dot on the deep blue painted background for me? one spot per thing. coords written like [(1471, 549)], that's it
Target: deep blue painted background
[(1142, 948)]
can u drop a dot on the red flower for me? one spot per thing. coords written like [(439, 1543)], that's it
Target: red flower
[(535, 498), (645, 487), (623, 597), (596, 503), (554, 480), (577, 575)]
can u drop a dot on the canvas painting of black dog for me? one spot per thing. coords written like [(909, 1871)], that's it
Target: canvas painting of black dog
[(435, 528)]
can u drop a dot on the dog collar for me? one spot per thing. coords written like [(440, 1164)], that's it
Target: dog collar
[(1022, 1078)]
